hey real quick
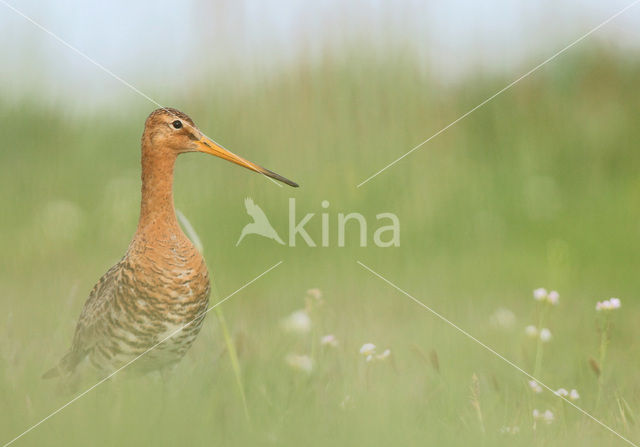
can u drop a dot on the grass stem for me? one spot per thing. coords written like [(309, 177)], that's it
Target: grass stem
[(235, 364)]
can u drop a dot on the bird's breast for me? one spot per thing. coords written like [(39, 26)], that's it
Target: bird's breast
[(167, 282)]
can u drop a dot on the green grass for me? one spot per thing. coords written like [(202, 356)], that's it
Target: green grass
[(539, 188)]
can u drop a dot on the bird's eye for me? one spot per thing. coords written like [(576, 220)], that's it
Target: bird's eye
[(177, 124)]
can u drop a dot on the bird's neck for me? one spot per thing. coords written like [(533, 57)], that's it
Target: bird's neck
[(157, 212)]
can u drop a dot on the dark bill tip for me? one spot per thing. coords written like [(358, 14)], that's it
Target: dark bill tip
[(280, 178)]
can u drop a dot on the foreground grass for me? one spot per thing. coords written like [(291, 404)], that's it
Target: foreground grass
[(540, 188)]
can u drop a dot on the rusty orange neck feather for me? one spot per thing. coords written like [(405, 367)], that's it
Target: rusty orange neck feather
[(157, 212)]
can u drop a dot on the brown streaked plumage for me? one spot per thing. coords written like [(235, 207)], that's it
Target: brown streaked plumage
[(161, 283)]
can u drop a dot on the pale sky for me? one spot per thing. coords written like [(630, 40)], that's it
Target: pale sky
[(163, 45)]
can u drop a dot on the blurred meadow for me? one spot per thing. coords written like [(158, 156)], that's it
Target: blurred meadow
[(539, 188)]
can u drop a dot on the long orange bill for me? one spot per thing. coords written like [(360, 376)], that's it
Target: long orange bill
[(209, 146)]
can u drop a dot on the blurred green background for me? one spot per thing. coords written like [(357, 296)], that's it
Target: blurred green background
[(539, 188)]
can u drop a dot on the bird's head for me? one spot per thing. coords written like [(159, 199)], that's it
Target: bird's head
[(168, 129)]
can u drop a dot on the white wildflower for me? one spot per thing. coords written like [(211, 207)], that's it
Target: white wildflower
[(562, 392), (300, 362), (535, 387), (547, 416), (298, 322), (545, 335), (553, 298), (574, 395), (610, 304), (329, 340), (368, 349), (503, 318), (386, 353), (540, 294), (531, 331)]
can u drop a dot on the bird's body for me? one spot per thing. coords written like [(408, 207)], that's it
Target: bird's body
[(150, 306), (141, 301)]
